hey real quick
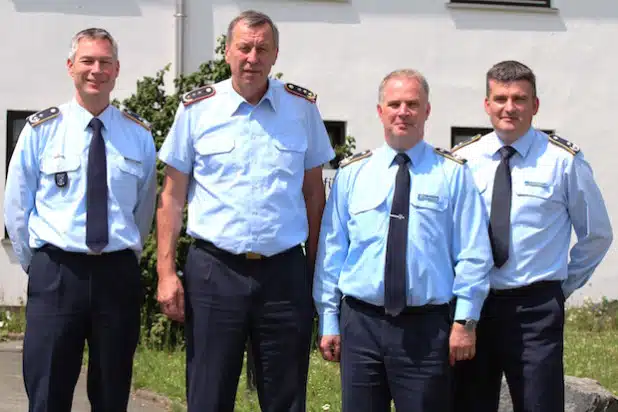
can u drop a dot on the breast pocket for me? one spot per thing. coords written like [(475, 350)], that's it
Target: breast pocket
[(289, 154), (369, 216), (534, 192), (127, 172), (215, 153), (60, 176), (428, 213)]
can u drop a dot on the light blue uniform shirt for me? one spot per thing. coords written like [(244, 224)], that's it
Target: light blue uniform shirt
[(552, 191), (448, 246), (247, 165), (38, 211)]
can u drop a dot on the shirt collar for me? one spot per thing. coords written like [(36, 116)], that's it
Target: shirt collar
[(83, 116), (235, 100), (416, 154), (522, 145)]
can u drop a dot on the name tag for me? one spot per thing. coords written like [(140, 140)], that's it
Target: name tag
[(536, 184), (429, 198)]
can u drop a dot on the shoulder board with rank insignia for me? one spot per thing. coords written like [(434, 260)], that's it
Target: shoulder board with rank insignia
[(136, 118), (43, 116), (196, 95), (466, 143), (449, 155), (301, 92), (565, 144), (354, 158)]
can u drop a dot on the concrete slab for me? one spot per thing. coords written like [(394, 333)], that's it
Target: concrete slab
[(14, 397)]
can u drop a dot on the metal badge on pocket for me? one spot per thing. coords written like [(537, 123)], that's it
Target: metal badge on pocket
[(61, 179)]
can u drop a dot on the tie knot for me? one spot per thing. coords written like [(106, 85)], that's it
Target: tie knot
[(96, 124), (402, 159), (506, 152)]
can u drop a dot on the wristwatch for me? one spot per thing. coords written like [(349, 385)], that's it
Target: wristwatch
[(469, 324)]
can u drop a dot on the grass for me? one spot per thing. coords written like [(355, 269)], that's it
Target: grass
[(591, 334)]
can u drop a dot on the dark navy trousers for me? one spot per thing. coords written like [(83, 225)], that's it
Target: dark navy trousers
[(402, 358), (75, 298), (229, 298), (520, 334)]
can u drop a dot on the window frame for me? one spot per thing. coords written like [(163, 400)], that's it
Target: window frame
[(541, 4)]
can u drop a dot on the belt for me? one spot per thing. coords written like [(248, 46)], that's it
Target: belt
[(408, 310), (539, 286), (53, 248), (211, 248)]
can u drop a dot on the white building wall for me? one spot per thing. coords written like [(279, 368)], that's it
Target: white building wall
[(36, 37), (341, 50)]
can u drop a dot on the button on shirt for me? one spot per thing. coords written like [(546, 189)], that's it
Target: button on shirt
[(46, 183), (553, 190), (247, 165), (448, 245)]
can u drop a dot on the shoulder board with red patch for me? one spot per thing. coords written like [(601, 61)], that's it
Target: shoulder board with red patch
[(198, 94), (450, 156), (136, 118), (43, 116), (301, 92), (565, 144)]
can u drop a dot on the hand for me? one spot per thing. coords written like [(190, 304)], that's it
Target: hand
[(170, 295), (330, 346), (462, 343)]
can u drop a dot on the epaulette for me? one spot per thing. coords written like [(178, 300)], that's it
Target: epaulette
[(196, 95), (354, 158), (466, 143), (565, 144), (137, 119), (449, 155), (301, 92), (43, 116)]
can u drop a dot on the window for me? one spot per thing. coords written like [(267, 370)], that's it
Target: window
[(461, 134), (529, 3), (15, 121), (336, 132)]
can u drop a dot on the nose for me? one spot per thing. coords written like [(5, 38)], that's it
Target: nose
[(402, 110), (96, 67), (509, 106), (252, 56)]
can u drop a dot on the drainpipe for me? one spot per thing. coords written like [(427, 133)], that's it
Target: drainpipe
[(179, 17)]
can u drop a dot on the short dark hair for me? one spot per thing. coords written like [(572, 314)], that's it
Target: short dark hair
[(253, 19), (511, 71)]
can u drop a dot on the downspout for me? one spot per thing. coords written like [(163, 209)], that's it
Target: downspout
[(179, 17)]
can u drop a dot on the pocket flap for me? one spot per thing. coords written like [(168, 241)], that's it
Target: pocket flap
[(59, 163), (214, 145)]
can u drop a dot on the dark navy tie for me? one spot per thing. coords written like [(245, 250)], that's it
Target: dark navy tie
[(97, 235), (395, 271), (500, 217)]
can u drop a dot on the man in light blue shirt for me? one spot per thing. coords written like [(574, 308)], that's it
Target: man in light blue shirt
[(536, 188), (79, 202), (247, 154), (403, 233)]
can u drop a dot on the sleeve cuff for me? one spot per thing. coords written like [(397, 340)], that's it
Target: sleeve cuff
[(175, 163), (466, 309), (329, 324)]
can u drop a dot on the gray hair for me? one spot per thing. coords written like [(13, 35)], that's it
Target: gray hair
[(93, 34), (407, 73), (252, 19), (511, 71)]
